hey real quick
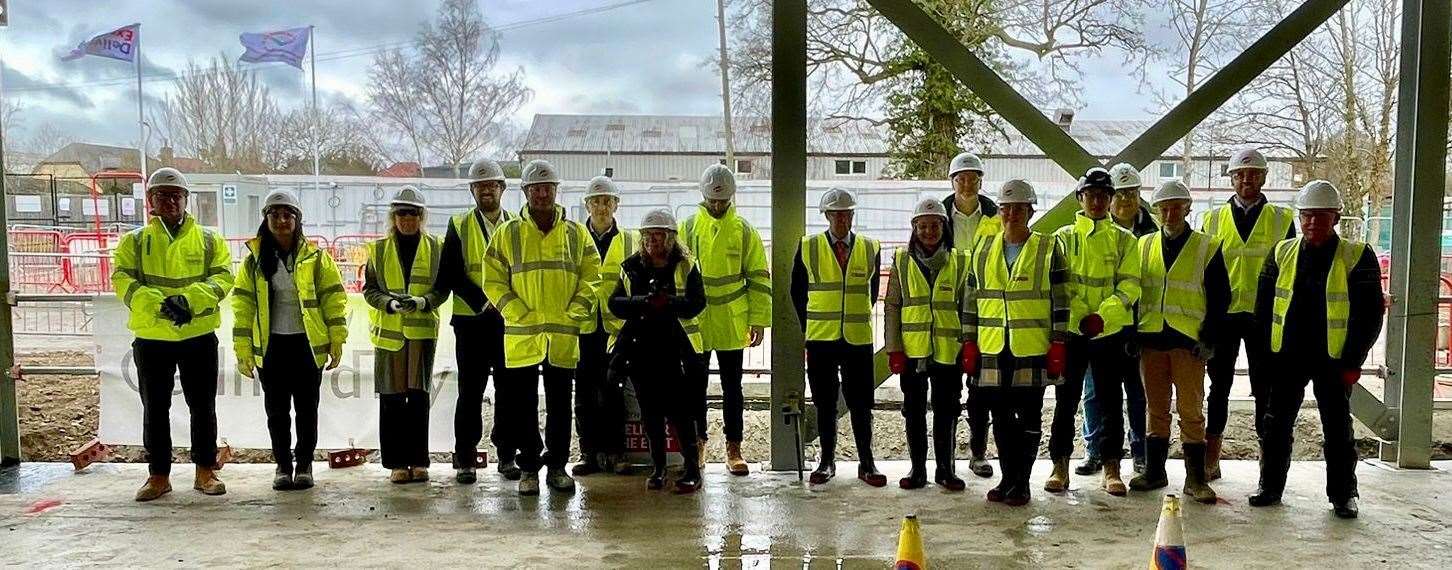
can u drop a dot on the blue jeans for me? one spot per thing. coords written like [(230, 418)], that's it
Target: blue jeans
[(1134, 396)]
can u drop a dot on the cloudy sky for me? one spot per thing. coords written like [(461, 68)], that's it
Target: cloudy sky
[(647, 57)]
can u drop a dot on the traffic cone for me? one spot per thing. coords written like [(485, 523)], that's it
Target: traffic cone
[(1169, 551), (909, 546)]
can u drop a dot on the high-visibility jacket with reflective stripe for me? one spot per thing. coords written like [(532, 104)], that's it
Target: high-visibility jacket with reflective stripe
[(839, 306), (1244, 258), (150, 264), (319, 290), (622, 246), (473, 242), (931, 322), (690, 326), (1103, 272), (1338, 299), (734, 271), (1014, 308), (388, 330), (1177, 295), (544, 285)]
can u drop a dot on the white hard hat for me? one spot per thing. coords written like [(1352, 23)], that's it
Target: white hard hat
[(1246, 158), (1125, 176), (837, 200), (485, 170), (929, 207), (718, 183), (1318, 195), (167, 176), (963, 162), (539, 172), (1171, 190), (658, 219), (1017, 191), (283, 198), (601, 186), (408, 196)]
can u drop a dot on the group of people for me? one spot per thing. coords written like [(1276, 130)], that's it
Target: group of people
[(1116, 308)]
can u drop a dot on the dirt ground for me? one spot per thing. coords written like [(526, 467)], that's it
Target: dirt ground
[(60, 413)]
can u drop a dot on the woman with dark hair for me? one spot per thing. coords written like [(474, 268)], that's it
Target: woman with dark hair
[(290, 318)]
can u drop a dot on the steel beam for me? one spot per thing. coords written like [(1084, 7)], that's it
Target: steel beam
[(9, 407), (1375, 415), (788, 216)]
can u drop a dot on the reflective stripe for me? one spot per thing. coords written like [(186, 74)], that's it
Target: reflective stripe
[(336, 321), (247, 293), (388, 334), (217, 289), (1333, 297), (719, 281), (310, 303), (759, 274), (322, 349), (331, 290), (132, 273), (507, 298), (1091, 281), (171, 282), (131, 290), (541, 328), (416, 322), (815, 286), (1015, 323), (834, 317), (759, 288), (241, 332), (568, 266), (943, 306), (917, 327), (727, 298)]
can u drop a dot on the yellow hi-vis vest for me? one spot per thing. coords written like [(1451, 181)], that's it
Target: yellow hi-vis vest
[(1015, 309), (473, 242), (1175, 296), (621, 247), (1244, 258), (544, 285), (1103, 272), (690, 326), (734, 270), (319, 290), (150, 264), (931, 323), (388, 330), (839, 306), (1338, 299)]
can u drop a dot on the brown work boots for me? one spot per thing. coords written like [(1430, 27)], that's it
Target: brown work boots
[(734, 463), (208, 483), (158, 485)]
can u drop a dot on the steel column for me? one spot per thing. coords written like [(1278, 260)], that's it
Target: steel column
[(788, 215)]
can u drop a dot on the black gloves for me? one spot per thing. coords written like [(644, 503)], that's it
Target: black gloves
[(175, 309)]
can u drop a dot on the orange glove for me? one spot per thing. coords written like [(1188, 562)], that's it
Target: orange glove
[(897, 362), (1350, 376), (1057, 357), (1091, 325), (970, 358)]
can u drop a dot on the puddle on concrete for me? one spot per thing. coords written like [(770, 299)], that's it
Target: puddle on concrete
[(747, 551), (1039, 525)]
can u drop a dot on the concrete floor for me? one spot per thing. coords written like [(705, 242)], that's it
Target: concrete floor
[(356, 518)]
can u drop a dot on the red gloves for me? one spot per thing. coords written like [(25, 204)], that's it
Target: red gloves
[(1350, 377), (1091, 325), (897, 362), (970, 358), (1056, 359)]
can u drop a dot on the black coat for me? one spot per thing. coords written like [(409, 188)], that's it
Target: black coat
[(656, 330)]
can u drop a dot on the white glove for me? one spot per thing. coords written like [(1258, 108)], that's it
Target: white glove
[(394, 306), (420, 303)]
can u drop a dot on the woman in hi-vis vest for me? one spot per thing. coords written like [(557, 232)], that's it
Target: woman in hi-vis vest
[(403, 324)]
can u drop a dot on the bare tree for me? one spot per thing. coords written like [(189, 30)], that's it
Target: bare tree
[(222, 114), (394, 102), (46, 138)]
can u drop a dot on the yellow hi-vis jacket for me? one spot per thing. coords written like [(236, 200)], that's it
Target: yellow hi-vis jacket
[(389, 330), (1011, 308), (931, 324), (150, 264), (1338, 298), (1103, 272), (473, 242), (1245, 258), (1174, 296), (839, 304), (623, 245), (544, 285), (734, 271), (319, 290)]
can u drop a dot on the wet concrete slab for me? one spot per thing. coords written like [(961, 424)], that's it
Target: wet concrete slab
[(52, 517)]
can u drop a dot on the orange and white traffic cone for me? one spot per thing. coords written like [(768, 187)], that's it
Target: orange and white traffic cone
[(910, 546), (1169, 553)]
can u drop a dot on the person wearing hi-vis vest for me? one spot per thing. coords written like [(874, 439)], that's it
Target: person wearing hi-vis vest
[(478, 328), (738, 300), (972, 217), (923, 338), (541, 270), (599, 403), (403, 323), (1181, 310), (658, 294), (172, 275), (1015, 325), (1103, 286), (1320, 305), (1246, 227), (290, 319), (834, 285)]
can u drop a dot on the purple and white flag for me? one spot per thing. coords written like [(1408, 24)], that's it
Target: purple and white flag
[(286, 46), (117, 44)]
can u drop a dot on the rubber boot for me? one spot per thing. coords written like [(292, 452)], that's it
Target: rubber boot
[(947, 476), (1058, 480), (154, 488), (1153, 477), (917, 477), (1272, 477), (1195, 486), (1020, 494), (691, 480), (208, 483), (559, 480), (734, 463), (1213, 447), (1112, 483)]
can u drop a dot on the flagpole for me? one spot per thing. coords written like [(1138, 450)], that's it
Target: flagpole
[(313, 53), (140, 113)]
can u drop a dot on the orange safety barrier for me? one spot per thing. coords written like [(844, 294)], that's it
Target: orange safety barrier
[(88, 269), (351, 253), (37, 261)]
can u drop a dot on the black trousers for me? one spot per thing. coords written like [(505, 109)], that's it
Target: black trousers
[(664, 394), (1333, 399), (732, 400), (290, 381), (978, 414), (599, 401), (403, 429), (1221, 369), (1111, 366), (519, 390), (834, 366), (157, 365), (947, 384), (1017, 429), (479, 350)]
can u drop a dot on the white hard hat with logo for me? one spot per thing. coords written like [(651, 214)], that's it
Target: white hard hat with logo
[(539, 172), (929, 207), (837, 200), (408, 196), (658, 219), (1318, 195), (965, 161), (718, 183), (1125, 176), (167, 177), (1246, 158), (601, 186), (1017, 191), (283, 198), (1170, 190), (485, 170)]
